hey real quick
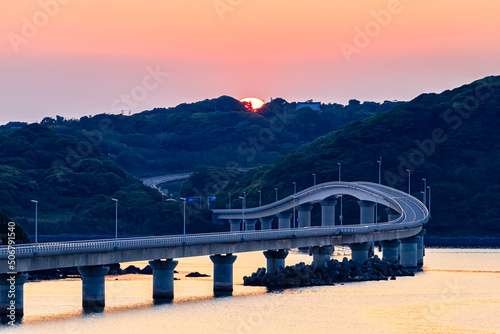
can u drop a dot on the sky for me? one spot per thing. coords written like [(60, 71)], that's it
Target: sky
[(85, 57)]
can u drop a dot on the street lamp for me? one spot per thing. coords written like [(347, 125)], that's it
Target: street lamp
[(229, 200), (409, 189), (341, 216), (314, 175), (379, 182), (260, 198), (294, 215), (379, 170), (36, 224), (428, 187), (184, 229), (340, 170), (276, 194), (425, 192), (116, 221), (409, 181), (294, 188), (243, 203)]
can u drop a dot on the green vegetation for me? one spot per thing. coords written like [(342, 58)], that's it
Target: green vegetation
[(452, 139), (74, 184), (16, 232), (216, 132)]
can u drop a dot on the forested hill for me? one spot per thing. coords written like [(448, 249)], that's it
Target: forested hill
[(211, 132), (74, 183), (452, 139)]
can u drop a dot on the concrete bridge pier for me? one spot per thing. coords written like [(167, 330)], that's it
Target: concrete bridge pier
[(420, 248), (250, 224), (223, 273), (284, 219), (12, 295), (328, 212), (367, 212), (390, 250), (93, 291), (266, 223), (163, 279), (408, 256), (391, 214), (235, 225), (305, 215), (359, 252), (275, 260), (321, 254)]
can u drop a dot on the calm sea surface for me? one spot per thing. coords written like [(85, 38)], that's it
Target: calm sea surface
[(458, 292)]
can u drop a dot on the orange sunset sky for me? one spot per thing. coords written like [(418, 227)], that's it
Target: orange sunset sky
[(79, 57)]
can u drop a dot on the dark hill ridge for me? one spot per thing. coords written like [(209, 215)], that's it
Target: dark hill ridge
[(452, 139), (210, 132), (74, 183)]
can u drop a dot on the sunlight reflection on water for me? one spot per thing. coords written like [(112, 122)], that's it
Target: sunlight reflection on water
[(458, 293)]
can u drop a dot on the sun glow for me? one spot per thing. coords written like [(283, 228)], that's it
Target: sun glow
[(256, 103)]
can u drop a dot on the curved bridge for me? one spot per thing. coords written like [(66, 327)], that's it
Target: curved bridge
[(401, 237), (412, 212)]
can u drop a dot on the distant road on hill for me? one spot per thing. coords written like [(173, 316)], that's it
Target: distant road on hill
[(153, 182)]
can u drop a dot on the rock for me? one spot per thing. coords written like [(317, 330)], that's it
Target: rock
[(147, 270), (132, 270), (197, 274)]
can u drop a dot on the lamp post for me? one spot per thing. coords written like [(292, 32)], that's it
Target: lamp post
[(243, 203), (294, 215), (260, 198), (379, 182), (294, 188), (409, 189), (425, 192), (341, 197), (116, 221), (379, 170), (229, 200), (184, 225), (341, 216), (314, 175), (428, 187), (36, 224), (276, 194)]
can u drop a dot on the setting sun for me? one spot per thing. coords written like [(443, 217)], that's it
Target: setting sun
[(256, 103)]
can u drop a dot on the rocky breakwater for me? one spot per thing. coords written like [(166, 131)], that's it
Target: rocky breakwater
[(328, 273)]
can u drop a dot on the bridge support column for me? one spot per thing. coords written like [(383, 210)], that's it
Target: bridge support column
[(391, 214), (275, 260), (223, 273), (321, 255), (420, 248), (250, 224), (12, 295), (390, 250), (367, 212), (305, 215), (93, 286), (266, 223), (163, 279), (359, 252), (328, 212), (409, 252), (284, 219), (235, 225)]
